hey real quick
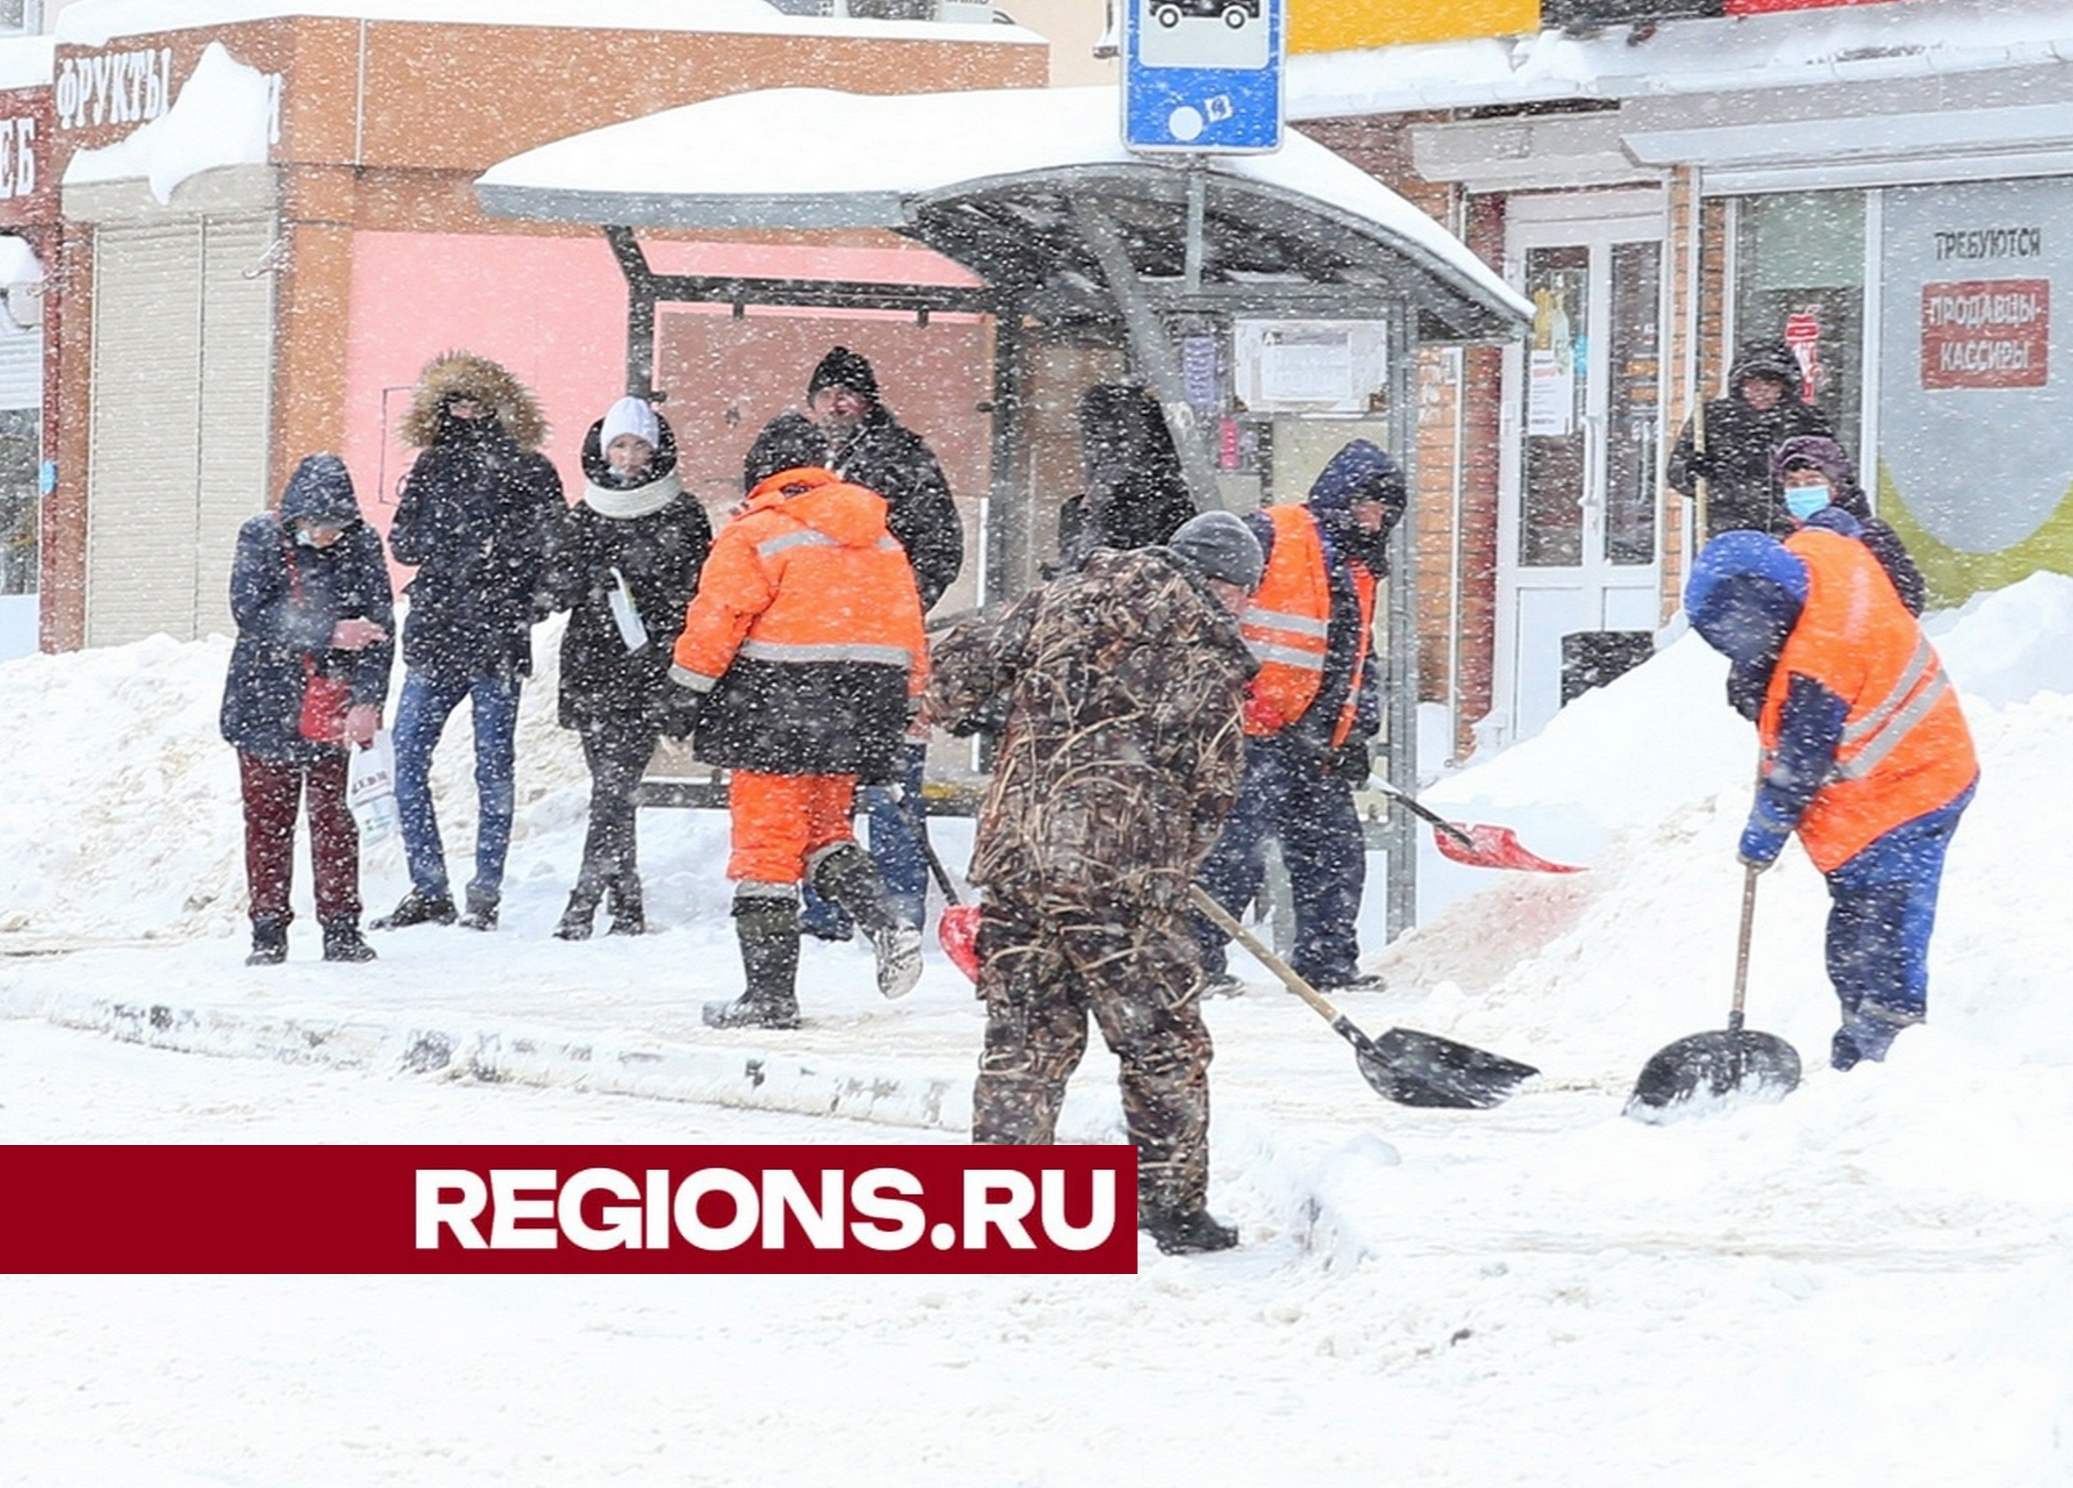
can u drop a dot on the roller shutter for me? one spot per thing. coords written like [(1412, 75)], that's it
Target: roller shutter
[(182, 377)]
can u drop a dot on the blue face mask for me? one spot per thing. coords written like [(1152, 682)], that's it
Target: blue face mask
[(1804, 501)]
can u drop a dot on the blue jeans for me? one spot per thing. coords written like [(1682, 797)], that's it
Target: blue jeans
[(1882, 906), (1286, 794), (895, 814), (421, 716)]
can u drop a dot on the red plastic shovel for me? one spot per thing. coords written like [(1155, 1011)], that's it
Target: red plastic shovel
[(1477, 846), (958, 930)]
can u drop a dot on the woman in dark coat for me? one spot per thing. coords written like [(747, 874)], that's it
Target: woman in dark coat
[(1818, 488), (310, 593), (1136, 495), (625, 568)]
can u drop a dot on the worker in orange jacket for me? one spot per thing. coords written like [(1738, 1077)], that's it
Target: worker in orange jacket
[(1309, 716), (801, 660), (1866, 756)]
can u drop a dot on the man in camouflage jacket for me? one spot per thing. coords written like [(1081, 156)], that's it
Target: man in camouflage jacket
[(1120, 755)]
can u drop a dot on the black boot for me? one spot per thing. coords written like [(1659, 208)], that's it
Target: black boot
[(768, 929), (847, 875), (581, 914), (1188, 1230), (482, 911), (628, 917), (269, 943), (342, 940), (417, 909)]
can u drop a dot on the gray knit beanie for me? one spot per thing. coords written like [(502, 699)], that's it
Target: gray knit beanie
[(1222, 547)]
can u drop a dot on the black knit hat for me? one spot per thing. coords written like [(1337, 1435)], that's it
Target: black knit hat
[(844, 368), (789, 441)]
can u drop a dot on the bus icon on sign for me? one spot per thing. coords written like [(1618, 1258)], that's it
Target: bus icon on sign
[(1235, 12)]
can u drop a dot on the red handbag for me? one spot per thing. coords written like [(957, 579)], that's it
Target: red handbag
[(324, 699)]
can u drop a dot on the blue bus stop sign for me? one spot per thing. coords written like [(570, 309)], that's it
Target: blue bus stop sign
[(1203, 76)]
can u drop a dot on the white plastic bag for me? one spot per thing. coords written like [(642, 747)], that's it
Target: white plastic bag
[(371, 787), (625, 614)]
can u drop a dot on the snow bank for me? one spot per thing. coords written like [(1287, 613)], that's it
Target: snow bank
[(226, 114)]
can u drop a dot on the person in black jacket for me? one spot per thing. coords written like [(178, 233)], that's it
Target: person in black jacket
[(481, 508), (1136, 495), (1762, 411), (626, 566), (310, 594), (1818, 488), (866, 446)]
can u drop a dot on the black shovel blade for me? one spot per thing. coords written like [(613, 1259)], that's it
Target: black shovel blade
[(1713, 1065), (1423, 1069)]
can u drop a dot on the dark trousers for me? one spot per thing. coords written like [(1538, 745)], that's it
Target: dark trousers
[(618, 755), (1042, 972), (1287, 795), (1882, 908), (273, 790)]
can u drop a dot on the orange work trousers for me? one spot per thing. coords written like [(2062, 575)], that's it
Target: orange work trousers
[(780, 821)]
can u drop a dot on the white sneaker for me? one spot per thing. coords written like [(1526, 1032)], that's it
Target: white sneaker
[(899, 959)]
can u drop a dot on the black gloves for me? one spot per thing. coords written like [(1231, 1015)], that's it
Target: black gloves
[(1350, 762), (680, 707)]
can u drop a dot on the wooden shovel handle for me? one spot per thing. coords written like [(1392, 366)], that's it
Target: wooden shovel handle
[(1221, 918)]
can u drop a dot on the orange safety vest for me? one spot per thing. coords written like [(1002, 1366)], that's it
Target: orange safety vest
[(1905, 749), (807, 574), (1288, 623)]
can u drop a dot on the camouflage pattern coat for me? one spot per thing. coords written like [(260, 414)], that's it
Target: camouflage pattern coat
[(1122, 749)]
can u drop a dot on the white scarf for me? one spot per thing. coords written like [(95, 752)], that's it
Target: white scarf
[(637, 501)]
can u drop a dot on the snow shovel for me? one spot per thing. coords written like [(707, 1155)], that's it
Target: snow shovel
[(1720, 1063), (1476, 846), (1410, 1068), (957, 931)]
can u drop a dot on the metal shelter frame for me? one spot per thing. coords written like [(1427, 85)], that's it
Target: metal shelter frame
[(1119, 249)]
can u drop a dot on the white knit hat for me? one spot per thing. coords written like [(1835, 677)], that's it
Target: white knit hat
[(635, 416)]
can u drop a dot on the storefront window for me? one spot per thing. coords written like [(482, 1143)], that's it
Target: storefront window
[(1799, 278)]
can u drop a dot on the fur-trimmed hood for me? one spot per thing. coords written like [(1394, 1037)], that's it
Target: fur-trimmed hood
[(465, 375)]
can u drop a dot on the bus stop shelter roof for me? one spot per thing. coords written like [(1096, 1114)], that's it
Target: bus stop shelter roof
[(1006, 183)]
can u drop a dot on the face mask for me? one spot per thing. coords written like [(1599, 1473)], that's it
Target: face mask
[(305, 538), (1804, 501)]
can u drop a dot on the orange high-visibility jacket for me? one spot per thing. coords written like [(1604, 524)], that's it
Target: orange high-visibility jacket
[(806, 632), (1288, 623), (1905, 749)]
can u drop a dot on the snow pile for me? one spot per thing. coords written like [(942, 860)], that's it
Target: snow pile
[(226, 114), (133, 828)]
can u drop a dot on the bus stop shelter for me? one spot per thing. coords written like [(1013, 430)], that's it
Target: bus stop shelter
[(1032, 192)]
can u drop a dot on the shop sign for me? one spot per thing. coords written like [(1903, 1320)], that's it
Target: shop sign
[(28, 191), (103, 88), (1986, 333)]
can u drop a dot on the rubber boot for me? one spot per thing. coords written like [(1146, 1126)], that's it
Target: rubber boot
[(768, 929), (343, 942), (580, 915), (269, 943), (1186, 1231), (628, 916), (846, 874)]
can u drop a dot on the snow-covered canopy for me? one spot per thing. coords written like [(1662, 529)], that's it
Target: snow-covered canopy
[(224, 115), (933, 165), (1859, 43), (96, 22)]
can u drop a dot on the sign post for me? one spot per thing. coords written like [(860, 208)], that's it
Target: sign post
[(1203, 76)]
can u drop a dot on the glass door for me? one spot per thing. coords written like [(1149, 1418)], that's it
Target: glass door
[(1579, 526)]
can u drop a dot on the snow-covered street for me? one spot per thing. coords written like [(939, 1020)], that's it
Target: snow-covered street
[(1868, 1283)]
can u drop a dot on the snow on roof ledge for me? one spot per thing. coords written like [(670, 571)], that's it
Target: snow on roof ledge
[(1858, 43), (97, 22), (823, 158), (224, 115)]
